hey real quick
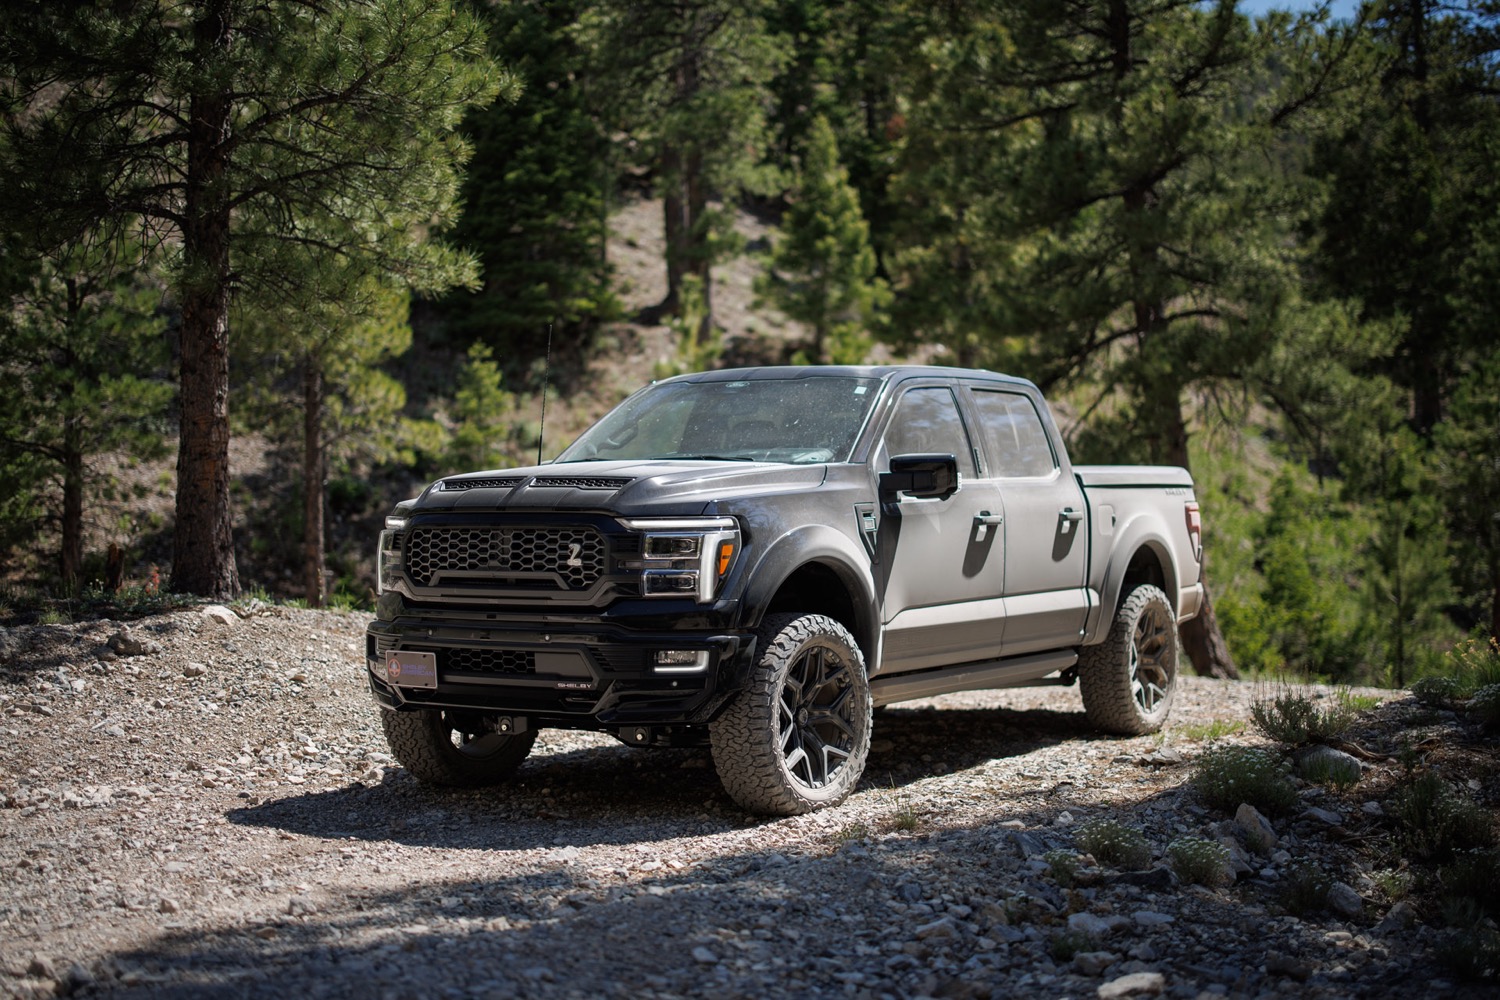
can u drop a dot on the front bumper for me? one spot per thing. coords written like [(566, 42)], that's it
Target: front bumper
[(574, 677)]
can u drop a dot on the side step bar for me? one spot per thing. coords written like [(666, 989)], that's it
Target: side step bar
[(1018, 671)]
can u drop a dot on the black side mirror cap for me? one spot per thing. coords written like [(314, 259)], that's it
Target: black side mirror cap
[(921, 476)]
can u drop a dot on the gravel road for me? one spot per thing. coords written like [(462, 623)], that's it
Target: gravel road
[(203, 804)]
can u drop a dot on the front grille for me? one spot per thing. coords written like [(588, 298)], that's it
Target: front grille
[(450, 485), (559, 558), (581, 482), (483, 661)]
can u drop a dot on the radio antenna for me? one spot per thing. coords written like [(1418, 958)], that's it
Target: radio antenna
[(541, 431)]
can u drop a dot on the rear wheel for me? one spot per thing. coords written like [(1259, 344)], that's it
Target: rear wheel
[(1129, 679), (444, 747), (797, 738)]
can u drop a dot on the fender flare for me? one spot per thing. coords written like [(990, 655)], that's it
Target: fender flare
[(1144, 531), (832, 549)]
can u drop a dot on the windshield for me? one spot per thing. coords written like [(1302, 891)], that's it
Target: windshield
[(796, 420)]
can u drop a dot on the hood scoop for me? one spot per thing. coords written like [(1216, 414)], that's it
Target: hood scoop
[(459, 485), (582, 482)]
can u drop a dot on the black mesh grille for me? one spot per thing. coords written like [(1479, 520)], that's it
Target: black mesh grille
[(620, 658), (527, 557), (484, 661), (480, 484), (581, 482)]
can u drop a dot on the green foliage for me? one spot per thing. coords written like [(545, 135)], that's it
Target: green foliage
[(1066, 945), (85, 362), (1295, 718), (1434, 820), (1114, 844), (484, 415), (699, 342), (822, 268), (1062, 866), (1200, 861), (1226, 776), (1208, 732), (1485, 705), (686, 86), (535, 195)]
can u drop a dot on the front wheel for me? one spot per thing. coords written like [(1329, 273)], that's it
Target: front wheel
[(797, 738), (444, 747), (1129, 679)]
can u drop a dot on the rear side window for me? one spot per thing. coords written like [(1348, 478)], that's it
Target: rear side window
[(926, 421), (1013, 435)]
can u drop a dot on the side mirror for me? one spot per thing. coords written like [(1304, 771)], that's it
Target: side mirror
[(921, 476)]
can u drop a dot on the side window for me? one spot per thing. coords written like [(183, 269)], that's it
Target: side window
[(1014, 435), (926, 421)]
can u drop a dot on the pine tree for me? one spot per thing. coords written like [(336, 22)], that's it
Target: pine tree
[(247, 135), (823, 269), (690, 90), (84, 364), (1124, 210), (535, 195)]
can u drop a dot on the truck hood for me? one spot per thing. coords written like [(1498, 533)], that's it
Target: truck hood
[(627, 488)]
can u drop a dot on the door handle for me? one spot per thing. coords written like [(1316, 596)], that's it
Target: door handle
[(984, 517), (1069, 514)]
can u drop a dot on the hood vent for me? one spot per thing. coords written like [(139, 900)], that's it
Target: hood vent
[(449, 485), (581, 482)]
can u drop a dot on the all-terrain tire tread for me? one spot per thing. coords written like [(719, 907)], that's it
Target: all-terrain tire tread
[(422, 745), (745, 753), (1104, 672)]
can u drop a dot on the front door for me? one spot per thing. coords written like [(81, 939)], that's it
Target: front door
[(941, 561)]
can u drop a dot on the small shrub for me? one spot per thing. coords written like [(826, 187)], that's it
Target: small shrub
[(1295, 718), (1435, 820), (1434, 691), (1329, 772), (1063, 867), (1474, 664), (1395, 884), (906, 818), (1114, 844), (1305, 889), (1474, 876), (854, 831), (1226, 776), (1200, 861), (1485, 705)]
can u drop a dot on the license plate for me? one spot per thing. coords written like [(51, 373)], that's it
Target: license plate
[(410, 669)]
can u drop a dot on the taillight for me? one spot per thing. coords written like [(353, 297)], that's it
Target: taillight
[(1194, 528)]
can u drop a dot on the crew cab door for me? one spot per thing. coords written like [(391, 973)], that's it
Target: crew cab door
[(941, 561), (1046, 524)]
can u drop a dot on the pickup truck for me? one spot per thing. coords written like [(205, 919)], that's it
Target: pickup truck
[(756, 559)]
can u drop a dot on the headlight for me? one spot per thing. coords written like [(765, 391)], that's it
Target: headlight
[(689, 557), (388, 559)]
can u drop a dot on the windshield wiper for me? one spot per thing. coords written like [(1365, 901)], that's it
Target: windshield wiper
[(711, 458)]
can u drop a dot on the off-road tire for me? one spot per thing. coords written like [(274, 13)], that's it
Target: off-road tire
[(423, 741), (1128, 681), (797, 738)]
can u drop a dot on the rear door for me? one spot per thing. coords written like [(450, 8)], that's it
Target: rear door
[(941, 561), (1046, 537)]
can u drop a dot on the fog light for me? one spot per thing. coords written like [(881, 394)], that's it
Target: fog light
[(664, 581), (681, 661)]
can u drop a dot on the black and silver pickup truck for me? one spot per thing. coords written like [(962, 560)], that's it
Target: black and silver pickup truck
[(755, 559)]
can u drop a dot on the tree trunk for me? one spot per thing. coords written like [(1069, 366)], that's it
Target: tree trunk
[(1201, 637), (203, 543), (312, 479), (674, 226), (72, 519)]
